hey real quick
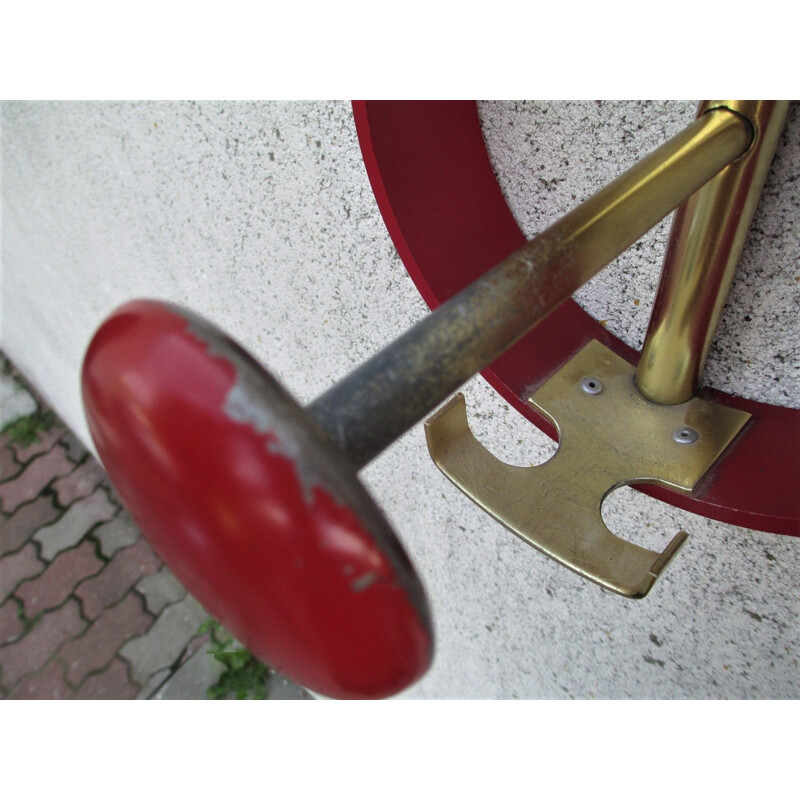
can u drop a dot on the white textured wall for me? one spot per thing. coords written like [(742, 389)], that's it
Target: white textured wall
[(260, 216)]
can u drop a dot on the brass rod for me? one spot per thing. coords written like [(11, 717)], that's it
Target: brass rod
[(706, 240), (384, 397)]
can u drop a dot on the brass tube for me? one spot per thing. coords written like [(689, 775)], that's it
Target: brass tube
[(368, 409), (706, 240)]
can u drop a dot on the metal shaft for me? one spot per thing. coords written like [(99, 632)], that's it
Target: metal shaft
[(706, 240), (380, 400)]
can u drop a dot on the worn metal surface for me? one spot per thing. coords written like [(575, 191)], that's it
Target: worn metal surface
[(706, 240), (388, 394), (255, 512), (607, 439)]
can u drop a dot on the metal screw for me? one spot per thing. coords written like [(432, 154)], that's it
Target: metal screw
[(591, 385), (685, 435)]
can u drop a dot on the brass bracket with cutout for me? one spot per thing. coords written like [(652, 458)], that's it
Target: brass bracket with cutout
[(609, 435), (619, 426)]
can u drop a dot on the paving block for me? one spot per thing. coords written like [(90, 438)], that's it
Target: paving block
[(112, 494), (202, 641), (160, 589), (74, 446), (76, 522), (11, 626), (49, 684), (9, 466), (193, 679), (125, 570), (154, 684), (118, 533), (45, 442), (163, 644), (57, 582), (104, 637), (16, 568), (16, 530), (34, 478), (30, 653), (15, 402), (81, 482), (281, 688), (113, 683)]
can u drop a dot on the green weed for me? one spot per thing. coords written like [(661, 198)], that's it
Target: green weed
[(245, 677), (25, 431)]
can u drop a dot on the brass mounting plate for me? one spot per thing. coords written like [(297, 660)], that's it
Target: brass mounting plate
[(607, 438)]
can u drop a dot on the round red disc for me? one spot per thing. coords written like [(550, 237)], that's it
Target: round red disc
[(256, 513)]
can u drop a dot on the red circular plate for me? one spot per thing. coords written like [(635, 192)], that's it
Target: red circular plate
[(262, 520), (435, 187)]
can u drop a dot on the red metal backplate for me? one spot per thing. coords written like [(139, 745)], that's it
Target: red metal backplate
[(444, 210)]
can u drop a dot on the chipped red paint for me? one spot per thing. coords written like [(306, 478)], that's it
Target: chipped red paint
[(289, 569), (434, 185)]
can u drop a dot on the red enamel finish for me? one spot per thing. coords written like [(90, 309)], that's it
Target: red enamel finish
[(447, 217), (291, 571)]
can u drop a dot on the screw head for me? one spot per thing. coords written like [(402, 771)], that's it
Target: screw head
[(591, 385), (685, 435)]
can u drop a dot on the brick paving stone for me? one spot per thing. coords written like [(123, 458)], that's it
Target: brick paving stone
[(105, 636), (163, 644), (154, 683), (9, 467), (74, 446), (193, 679), (124, 571), (199, 642), (46, 441), (112, 494), (34, 478), (11, 625), (118, 533), (16, 568), (31, 652), (160, 589), (81, 482), (78, 519), (15, 531), (49, 684), (113, 683), (57, 582)]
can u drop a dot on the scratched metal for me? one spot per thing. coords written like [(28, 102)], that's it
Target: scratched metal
[(611, 438), (257, 399)]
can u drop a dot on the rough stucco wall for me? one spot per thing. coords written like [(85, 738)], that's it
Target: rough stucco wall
[(260, 216)]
